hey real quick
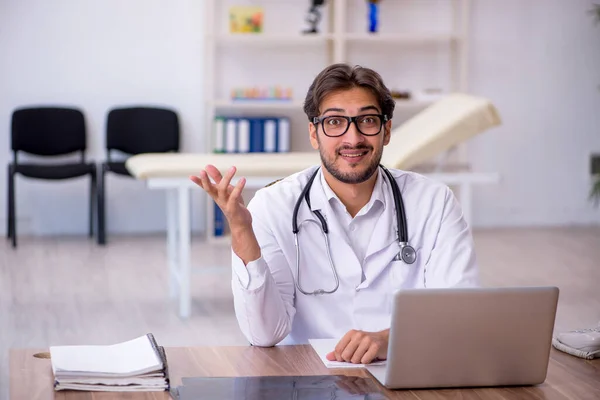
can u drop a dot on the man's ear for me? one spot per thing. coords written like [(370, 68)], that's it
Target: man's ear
[(312, 130), (387, 129)]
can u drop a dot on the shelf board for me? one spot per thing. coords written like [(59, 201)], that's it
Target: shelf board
[(267, 104), (264, 39), (258, 104), (399, 38)]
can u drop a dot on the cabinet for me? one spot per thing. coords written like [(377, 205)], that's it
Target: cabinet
[(420, 45)]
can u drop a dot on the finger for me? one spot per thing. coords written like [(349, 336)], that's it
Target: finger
[(203, 181), (350, 349), (341, 345), (330, 356), (196, 180), (371, 354), (226, 180), (214, 173), (361, 349), (236, 193), (223, 187)]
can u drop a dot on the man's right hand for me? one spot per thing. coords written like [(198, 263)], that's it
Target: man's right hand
[(228, 197), (230, 201)]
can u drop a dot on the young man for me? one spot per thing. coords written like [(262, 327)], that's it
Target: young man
[(290, 288)]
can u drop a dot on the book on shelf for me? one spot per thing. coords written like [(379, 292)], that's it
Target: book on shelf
[(251, 134), (248, 135), (137, 365)]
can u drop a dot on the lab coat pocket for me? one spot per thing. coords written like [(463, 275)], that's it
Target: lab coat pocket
[(402, 275)]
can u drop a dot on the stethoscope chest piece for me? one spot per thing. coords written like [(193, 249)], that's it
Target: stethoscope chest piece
[(407, 253)]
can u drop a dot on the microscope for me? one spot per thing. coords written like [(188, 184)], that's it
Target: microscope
[(314, 16)]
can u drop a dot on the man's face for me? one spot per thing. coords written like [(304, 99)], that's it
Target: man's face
[(352, 157)]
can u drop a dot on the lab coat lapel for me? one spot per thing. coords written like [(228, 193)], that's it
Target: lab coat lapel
[(383, 245), (344, 257), (320, 202), (385, 232)]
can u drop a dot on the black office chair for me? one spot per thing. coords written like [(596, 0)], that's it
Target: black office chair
[(134, 130), (46, 132)]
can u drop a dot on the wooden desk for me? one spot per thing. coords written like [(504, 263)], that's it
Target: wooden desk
[(31, 378)]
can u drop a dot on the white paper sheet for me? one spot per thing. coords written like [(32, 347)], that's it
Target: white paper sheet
[(130, 358), (325, 346)]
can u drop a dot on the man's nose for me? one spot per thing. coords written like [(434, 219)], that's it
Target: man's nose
[(353, 136)]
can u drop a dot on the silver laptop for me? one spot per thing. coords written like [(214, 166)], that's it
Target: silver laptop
[(469, 338)]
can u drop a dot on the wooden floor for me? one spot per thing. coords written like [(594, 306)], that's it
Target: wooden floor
[(71, 291)]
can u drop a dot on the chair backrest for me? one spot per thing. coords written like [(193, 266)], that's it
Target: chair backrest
[(48, 131), (136, 130)]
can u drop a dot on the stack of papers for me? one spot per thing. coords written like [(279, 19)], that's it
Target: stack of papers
[(135, 365), (324, 346)]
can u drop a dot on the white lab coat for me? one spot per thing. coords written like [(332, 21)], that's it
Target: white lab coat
[(269, 308)]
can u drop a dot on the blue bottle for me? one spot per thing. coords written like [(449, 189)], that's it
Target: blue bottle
[(373, 9)]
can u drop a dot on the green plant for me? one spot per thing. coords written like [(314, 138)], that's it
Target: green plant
[(595, 11), (595, 191)]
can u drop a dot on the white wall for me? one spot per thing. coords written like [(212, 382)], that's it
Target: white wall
[(96, 55), (538, 60)]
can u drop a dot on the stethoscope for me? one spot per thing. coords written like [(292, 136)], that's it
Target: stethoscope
[(407, 253)]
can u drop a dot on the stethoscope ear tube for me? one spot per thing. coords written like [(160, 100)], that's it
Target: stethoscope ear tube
[(399, 204), (407, 252), (299, 201), (335, 275)]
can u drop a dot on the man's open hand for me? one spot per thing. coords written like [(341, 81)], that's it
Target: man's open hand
[(228, 197), (360, 347)]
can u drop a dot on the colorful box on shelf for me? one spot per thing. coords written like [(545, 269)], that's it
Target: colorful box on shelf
[(258, 93), (245, 19)]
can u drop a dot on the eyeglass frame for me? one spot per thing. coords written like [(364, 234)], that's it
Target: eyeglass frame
[(382, 117)]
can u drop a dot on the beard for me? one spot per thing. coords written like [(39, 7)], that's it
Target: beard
[(358, 175)]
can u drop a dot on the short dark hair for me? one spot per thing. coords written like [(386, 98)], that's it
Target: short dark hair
[(344, 77)]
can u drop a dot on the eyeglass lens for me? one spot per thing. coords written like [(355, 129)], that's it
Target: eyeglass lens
[(366, 124)]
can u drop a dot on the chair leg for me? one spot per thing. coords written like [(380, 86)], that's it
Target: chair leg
[(8, 191), (92, 202), (100, 204), (12, 217)]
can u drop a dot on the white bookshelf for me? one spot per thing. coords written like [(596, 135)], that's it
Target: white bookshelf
[(399, 39), (420, 45), (270, 39), (260, 105)]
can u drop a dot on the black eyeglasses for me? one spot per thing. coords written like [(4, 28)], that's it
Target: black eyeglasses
[(337, 125)]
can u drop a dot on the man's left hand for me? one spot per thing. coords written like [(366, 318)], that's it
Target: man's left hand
[(360, 347)]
